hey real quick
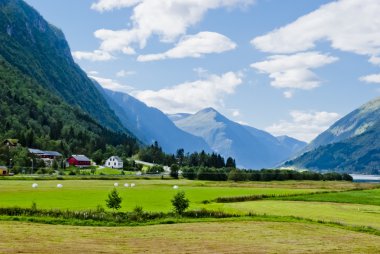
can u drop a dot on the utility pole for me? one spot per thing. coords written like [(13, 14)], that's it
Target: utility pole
[(32, 166)]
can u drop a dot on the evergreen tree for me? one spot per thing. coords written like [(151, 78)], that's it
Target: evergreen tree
[(180, 156), (230, 163), (114, 200)]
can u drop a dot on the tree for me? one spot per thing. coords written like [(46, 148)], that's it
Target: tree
[(174, 171), (180, 156), (180, 202), (55, 165), (230, 163), (114, 200)]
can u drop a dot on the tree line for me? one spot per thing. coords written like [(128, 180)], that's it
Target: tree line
[(233, 174), (155, 154)]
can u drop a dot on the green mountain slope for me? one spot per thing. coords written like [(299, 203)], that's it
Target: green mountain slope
[(351, 145), (40, 51), (39, 119), (353, 124)]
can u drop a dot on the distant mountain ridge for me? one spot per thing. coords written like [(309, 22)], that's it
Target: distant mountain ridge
[(40, 50), (352, 144), (149, 124), (252, 148)]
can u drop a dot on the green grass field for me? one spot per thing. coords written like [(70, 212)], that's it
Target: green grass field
[(367, 197), (350, 214), (278, 231), (152, 195)]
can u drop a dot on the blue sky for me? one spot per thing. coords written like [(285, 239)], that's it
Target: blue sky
[(286, 66)]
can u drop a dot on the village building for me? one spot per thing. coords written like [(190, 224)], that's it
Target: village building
[(3, 171), (47, 156), (114, 162), (80, 161), (10, 142), (53, 155)]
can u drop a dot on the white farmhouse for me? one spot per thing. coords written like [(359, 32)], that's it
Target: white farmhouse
[(114, 162)]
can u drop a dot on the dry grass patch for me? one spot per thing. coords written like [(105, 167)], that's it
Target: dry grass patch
[(218, 237)]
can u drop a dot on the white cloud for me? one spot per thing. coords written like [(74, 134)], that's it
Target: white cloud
[(124, 73), (374, 60), (93, 72), (294, 71), (107, 5), (95, 56), (168, 19), (201, 72), (304, 125), (349, 25), (236, 113), (288, 94), (194, 46), (112, 84), (374, 78), (190, 97)]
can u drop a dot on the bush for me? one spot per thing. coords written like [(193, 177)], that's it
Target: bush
[(189, 173), (237, 175), (180, 202), (156, 169)]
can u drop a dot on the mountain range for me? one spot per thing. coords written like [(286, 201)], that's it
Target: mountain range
[(252, 148), (48, 101), (149, 124), (352, 144)]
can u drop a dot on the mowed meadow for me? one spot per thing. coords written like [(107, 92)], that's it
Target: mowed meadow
[(288, 217), (152, 195)]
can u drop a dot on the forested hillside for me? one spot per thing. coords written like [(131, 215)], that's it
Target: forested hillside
[(349, 145), (359, 154), (39, 119), (40, 50)]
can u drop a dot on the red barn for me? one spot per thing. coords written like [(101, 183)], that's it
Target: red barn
[(79, 161)]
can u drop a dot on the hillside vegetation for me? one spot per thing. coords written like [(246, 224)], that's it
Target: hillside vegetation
[(39, 119), (350, 145), (359, 154), (40, 51)]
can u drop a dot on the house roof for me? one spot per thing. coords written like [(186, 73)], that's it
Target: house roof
[(116, 158), (35, 151), (11, 141), (40, 152), (80, 157), (52, 153)]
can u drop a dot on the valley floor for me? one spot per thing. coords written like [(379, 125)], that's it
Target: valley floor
[(213, 237), (297, 217)]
